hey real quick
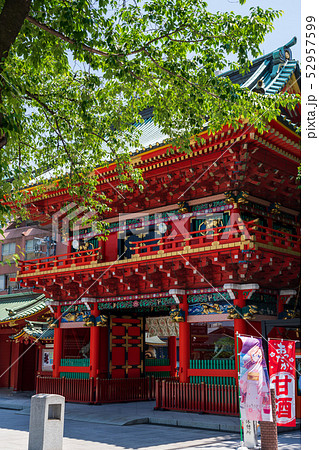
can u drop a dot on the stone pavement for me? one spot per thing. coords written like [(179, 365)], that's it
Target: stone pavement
[(101, 427)]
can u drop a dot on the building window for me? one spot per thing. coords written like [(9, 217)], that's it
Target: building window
[(128, 240), (6, 283), (8, 250), (3, 282), (29, 246), (212, 340), (76, 345)]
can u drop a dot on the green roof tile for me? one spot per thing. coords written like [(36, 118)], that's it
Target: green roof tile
[(36, 331), (18, 306)]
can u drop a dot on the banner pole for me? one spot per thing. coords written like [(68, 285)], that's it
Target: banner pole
[(275, 338), (282, 339), (239, 397)]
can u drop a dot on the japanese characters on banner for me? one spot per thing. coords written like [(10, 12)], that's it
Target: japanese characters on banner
[(282, 379), (255, 402)]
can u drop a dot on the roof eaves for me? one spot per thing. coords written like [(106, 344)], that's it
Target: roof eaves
[(275, 58)]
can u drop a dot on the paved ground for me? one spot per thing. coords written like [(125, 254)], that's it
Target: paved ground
[(101, 427)]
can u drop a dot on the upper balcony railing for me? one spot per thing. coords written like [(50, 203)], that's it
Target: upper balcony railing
[(250, 231), (223, 235), (276, 238), (57, 262)]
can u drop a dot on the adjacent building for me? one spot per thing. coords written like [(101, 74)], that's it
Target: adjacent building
[(23, 313)]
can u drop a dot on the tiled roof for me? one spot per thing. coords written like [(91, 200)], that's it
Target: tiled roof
[(274, 85), (273, 69), (36, 331), (272, 82), (21, 305), (151, 134), (16, 233)]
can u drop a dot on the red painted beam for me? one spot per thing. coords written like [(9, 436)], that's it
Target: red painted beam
[(211, 373), (74, 369), (157, 368)]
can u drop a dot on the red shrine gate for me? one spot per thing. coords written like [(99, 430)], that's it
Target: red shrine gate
[(219, 262)]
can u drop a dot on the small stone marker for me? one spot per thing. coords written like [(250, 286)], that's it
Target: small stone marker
[(250, 434), (46, 422)]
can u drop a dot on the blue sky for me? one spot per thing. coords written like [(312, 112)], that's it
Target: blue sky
[(286, 27)]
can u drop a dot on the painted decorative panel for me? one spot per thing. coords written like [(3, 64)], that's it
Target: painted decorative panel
[(199, 309), (161, 326), (140, 304), (75, 313), (209, 298)]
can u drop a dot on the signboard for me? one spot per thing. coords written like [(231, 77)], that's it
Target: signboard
[(255, 401), (282, 379), (47, 359)]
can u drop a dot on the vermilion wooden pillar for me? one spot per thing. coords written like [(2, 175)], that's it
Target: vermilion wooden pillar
[(172, 355), (239, 325), (184, 343), (234, 217), (280, 305), (57, 350), (239, 293), (95, 346), (39, 358), (14, 374)]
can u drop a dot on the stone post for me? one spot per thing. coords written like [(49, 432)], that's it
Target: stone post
[(46, 422)]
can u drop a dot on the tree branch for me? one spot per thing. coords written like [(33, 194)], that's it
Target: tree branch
[(56, 129), (158, 38), (64, 38), (3, 139), (178, 75), (87, 48)]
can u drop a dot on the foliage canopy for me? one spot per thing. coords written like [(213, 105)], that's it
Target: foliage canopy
[(74, 75)]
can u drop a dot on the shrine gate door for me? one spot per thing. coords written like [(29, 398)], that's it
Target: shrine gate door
[(126, 347)]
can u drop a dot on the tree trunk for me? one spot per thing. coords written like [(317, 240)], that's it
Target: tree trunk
[(12, 16)]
